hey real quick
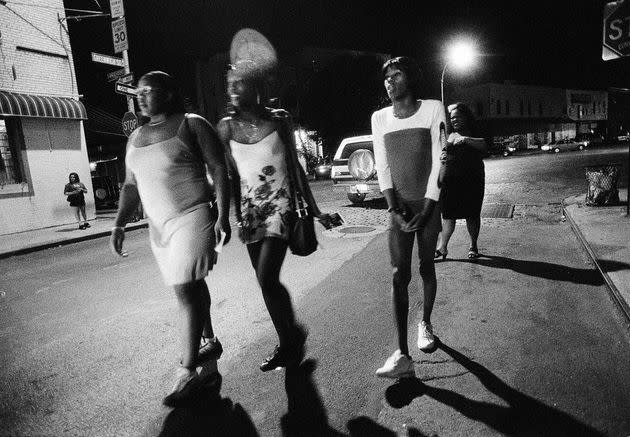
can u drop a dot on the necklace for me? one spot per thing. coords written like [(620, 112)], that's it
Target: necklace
[(250, 130), (157, 122)]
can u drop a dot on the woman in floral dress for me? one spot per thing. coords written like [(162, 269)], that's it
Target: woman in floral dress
[(259, 141)]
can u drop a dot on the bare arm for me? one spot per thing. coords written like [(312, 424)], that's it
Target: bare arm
[(214, 158), (128, 202), (224, 132)]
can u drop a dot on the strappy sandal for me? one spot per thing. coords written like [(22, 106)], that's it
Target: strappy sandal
[(473, 253), (439, 253)]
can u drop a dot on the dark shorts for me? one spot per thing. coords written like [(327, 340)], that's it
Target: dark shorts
[(401, 243), (80, 202)]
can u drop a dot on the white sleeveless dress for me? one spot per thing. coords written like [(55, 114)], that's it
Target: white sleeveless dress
[(176, 195), (264, 188)]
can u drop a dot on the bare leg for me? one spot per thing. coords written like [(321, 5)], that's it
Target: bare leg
[(77, 214), (473, 225), (193, 312), (82, 209), (267, 257), (400, 250), (448, 227), (427, 239), (206, 300)]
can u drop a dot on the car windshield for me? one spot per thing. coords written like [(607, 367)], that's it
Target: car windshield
[(352, 147)]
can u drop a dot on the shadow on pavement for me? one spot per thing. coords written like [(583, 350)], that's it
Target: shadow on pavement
[(551, 271), (524, 415), (209, 414), (306, 415)]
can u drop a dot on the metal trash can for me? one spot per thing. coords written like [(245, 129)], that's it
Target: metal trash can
[(602, 184)]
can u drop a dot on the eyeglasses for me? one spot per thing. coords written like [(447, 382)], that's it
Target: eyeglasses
[(143, 91)]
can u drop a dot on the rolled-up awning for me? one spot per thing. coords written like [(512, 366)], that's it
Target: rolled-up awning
[(31, 105)]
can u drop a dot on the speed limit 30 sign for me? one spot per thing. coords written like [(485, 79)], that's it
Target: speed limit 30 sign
[(119, 35)]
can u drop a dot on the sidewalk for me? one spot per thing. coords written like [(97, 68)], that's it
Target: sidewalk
[(605, 234), (39, 239)]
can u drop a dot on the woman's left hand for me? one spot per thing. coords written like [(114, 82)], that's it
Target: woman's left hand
[(223, 226)]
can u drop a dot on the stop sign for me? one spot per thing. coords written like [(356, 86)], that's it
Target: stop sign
[(129, 123), (616, 39)]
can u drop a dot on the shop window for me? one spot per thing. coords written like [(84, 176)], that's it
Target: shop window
[(498, 107), (540, 108), (520, 107), (507, 107), (13, 176)]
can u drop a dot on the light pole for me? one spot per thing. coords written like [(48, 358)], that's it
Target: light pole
[(460, 55)]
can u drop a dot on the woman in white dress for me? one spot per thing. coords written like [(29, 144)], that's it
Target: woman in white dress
[(166, 168), (259, 141)]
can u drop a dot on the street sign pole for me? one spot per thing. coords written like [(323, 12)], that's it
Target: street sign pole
[(130, 104)]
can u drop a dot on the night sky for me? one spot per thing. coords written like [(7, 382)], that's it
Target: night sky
[(552, 42)]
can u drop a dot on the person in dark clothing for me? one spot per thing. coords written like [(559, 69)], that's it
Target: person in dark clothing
[(463, 184), (75, 190)]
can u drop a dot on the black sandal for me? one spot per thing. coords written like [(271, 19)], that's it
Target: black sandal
[(473, 253), (439, 253)]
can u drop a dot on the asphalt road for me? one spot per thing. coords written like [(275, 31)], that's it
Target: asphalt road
[(532, 344)]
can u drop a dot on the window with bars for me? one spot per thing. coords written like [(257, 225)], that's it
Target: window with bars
[(11, 172)]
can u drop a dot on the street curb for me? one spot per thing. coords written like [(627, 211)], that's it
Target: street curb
[(615, 295), (43, 246)]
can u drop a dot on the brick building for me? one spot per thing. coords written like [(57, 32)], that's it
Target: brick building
[(41, 118)]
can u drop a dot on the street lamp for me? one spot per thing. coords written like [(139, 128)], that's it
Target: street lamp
[(461, 55)]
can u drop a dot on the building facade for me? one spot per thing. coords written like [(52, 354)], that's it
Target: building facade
[(527, 116), (41, 118)]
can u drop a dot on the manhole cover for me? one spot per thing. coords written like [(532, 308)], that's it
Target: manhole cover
[(497, 210), (357, 230)]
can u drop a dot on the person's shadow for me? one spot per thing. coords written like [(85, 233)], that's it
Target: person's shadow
[(551, 271), (524, 415), (208, 414), (306, 414)]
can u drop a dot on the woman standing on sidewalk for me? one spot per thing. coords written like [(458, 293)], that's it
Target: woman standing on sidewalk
[(259, 141), (166, 168), (75, 190), (463, 184)]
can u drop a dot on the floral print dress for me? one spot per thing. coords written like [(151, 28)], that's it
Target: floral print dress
[(265, 200)]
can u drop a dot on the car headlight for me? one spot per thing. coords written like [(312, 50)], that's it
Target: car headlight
[(545, 147)]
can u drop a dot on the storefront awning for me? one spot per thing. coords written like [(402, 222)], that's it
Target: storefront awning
[(31, 105)]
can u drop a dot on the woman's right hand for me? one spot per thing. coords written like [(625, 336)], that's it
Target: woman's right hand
[(116, 241)]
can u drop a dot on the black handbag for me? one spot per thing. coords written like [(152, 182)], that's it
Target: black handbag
[(302, 238)]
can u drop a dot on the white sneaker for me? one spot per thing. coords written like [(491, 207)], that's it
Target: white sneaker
[(426, 340), (397, 366)]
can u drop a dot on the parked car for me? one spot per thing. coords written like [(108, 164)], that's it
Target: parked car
[(563, 145), (589, 140), (323, 169), (354, 168), (105, 192), (339, 171)]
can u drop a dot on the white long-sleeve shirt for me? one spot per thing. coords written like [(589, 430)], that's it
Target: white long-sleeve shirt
[(407, 150)]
